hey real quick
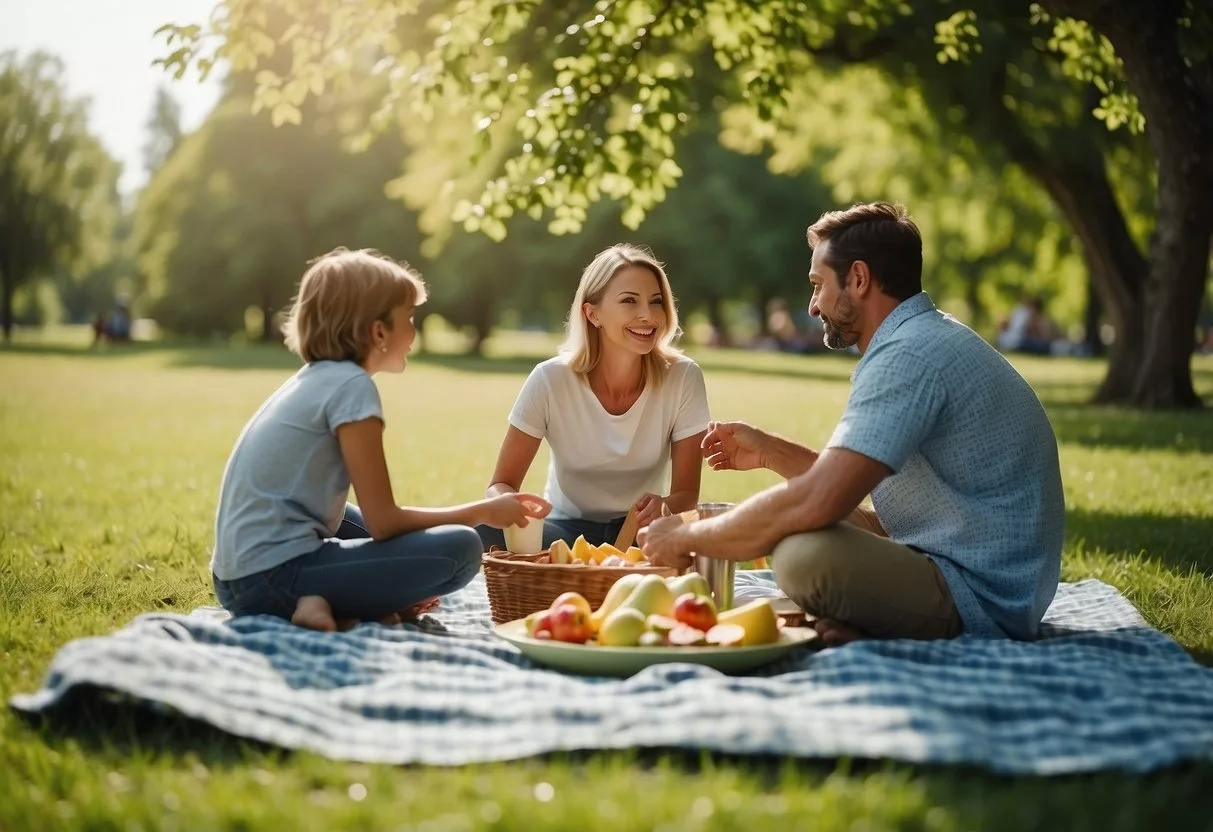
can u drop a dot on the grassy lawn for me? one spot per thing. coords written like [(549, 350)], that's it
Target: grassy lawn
[(110, 468)]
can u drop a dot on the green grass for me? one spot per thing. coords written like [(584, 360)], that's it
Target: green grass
[(111, 463)]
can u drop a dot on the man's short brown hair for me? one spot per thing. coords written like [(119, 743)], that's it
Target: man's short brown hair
[(880, 234), (341, 295)]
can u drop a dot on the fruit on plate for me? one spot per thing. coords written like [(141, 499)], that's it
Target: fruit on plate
[(539, 622), (684, 636), (650, 596), (634, 555), (622, 628), (726, 635), (696, 611), (757, 618), (661, 624), (642, 611), (691, 582), (615, 596), (570, 623), (574, 598), (652, 639)]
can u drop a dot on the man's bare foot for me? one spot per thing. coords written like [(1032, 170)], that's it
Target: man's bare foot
[(834, 633), (420, 608), (314, 613)]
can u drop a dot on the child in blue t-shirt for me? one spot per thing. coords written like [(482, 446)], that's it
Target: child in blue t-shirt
[(286, 541)]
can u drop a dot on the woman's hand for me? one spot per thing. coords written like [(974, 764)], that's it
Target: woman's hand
[(513, 510), (648, 508)]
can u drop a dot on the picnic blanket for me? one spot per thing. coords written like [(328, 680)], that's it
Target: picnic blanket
[(1102, 690)]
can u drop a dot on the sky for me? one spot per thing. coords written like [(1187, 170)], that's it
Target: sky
[(108, 47)]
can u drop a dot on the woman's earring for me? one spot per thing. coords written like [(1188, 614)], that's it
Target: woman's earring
[(383, 347)]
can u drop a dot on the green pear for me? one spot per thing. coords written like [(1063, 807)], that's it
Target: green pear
[(651, 596), (622, 628), (691, 582), (615, 596)]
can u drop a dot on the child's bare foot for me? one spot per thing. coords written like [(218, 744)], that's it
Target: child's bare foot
[(314, 613), (390, 619), (834, 633), (420, 608)]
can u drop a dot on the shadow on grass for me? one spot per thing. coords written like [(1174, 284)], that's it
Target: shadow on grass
[(1180, 543), (1183, 432), (101, 724), (117, 730)]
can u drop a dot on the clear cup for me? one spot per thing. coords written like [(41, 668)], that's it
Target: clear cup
[(525, 540), (718, 572)]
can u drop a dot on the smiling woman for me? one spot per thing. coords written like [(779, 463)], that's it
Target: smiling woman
[(622, 409)]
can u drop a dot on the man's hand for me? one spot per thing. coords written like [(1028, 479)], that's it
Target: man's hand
[(734, 446), (663, 543)]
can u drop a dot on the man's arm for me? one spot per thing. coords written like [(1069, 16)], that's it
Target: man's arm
[(787, 458), (825, 494)]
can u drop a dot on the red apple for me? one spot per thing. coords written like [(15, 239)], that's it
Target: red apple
[(539, 624), (571, 624), (695, 611)]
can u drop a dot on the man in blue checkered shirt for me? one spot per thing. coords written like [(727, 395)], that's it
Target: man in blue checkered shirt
[(965, 530)]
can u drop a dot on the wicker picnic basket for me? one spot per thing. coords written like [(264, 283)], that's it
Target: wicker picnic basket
[(519, 585)]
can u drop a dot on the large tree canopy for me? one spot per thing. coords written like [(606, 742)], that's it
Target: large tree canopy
[(58, 186), (582, 101)]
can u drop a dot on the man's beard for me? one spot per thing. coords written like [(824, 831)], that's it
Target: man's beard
[(839, 327)]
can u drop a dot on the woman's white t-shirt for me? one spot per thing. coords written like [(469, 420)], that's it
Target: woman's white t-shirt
[(600, 463)]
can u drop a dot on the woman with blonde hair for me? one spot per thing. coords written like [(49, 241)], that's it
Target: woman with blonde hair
[(286, 541), (622, 410)]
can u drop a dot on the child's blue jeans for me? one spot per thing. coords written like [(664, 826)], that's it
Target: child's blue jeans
[(360, 577)]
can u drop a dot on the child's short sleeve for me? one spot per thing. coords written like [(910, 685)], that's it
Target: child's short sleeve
[(530, 412), (355, 399)]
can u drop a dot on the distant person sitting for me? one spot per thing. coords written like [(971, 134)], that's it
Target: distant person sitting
[(1027, 330), (114, 327)]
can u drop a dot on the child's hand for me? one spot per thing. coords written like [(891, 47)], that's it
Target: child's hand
[(514, 509)]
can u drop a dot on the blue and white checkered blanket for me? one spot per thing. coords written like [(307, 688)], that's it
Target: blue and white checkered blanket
[(1101, 691)]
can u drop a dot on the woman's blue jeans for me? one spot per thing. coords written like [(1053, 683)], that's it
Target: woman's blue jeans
[(360, 577)]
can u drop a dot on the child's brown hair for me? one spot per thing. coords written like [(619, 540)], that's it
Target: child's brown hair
[(342, 293)]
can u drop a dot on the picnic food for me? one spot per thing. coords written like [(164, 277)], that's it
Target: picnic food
[(641, 610), (757, 618), (696, 611)]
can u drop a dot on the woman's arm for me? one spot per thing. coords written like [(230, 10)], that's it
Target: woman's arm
[(686, 469), (686, 465), (362, 451), (517, 452)]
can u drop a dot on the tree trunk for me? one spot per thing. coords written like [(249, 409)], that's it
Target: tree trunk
[(715, 311), (1180, 129), (1078, 185), (10, 282), (1091, 323), (1178, 126), (268, 333)]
